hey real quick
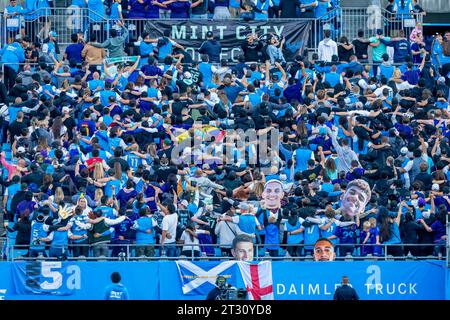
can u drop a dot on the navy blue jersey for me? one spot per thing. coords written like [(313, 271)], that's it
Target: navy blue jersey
[(346, 235)]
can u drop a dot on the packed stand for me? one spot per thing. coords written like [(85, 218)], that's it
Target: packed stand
[(91, 149)]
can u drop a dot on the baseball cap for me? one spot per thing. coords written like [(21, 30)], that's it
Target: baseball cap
[(53, 34), (21, 150), (441, 79), (435, 187), (404, 150)]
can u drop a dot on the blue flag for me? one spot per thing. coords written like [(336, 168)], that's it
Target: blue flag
[(199, 278)]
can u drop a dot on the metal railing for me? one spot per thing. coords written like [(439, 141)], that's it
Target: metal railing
[(73, 19), (127, 252), (371, 18)]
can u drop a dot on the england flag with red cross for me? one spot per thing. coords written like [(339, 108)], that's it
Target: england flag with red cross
[(258, 279)]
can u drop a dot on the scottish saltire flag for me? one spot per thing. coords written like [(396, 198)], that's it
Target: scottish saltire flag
[(199, 278), (258, 279)]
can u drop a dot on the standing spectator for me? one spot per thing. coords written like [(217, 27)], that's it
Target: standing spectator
[(226, 232), (92, 54), (116, 290), (211, 48), (410, 229), (14, 20), (327, 47), (345, 292), (200, 9), (307, 8), (74, 50), (116, 43), (12, 55), (390, 232), (189, 240), (179, 9), (275, 51), (136, 9), (145, 228), (378, 49), (345, 49), (221, 10), (252, 48), (416, 32), (361, 45), (169, 230), (418, 49), (438, 228), (347, 237)]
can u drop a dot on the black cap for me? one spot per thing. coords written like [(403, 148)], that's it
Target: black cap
[(209, 34)]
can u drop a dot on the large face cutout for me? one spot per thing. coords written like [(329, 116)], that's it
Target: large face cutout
[(243, 251), (324, 251), (353, 201), (272, 195)]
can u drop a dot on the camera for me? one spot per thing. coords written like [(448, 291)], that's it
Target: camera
[(227, 292)]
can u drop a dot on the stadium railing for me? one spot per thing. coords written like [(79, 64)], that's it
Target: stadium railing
[(371, 18), (72, 19), (19, 252)]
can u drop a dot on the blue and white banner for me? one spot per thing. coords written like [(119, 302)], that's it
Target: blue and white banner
[(199, 279), (45, 278), (383, 280)]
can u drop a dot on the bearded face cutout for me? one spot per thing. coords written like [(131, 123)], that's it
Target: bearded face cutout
[(272, 194)]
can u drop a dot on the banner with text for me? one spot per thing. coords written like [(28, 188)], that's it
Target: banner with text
[(232, 33), (383, 280)]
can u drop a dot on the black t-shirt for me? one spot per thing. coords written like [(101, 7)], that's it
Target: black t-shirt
[(34, 177), (122, 162), (178, 105), (344, 54), (167, 152), (251, 50), (163, 172), (360, 48), (15, 128)]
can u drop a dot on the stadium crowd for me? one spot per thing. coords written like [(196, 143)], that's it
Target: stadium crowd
[(91, 147)]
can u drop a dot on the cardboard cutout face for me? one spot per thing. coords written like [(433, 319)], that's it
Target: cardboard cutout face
[(324, 251), (272, 194), (353, 201), (243, 251)]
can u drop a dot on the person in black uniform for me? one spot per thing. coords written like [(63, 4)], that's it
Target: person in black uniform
[(345, 292)]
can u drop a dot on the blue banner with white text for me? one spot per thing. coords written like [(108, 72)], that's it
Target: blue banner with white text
[(384, 280)]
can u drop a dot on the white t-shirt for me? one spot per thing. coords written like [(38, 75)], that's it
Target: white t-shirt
[(189, 244), (169, 224)]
